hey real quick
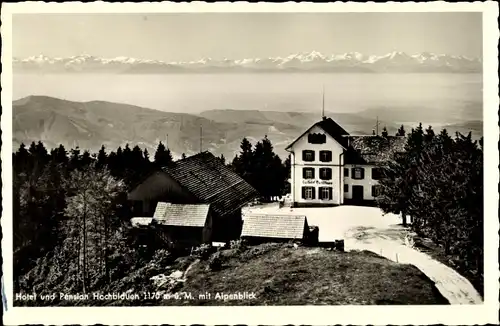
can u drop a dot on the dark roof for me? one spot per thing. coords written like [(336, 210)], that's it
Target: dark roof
[(181, 214), (330, 127), (373, 149), (212, 182), (274, 226)]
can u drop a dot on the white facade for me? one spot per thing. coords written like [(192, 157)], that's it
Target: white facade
[(333, 183), (311, 184), (367, 181)]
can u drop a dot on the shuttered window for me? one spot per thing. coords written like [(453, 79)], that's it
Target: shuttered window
[(308, 173), (308, 155), (346, 172), (346, 188), (325, 193), (325, 156), (308, 193), (325, 173), (358, 173)]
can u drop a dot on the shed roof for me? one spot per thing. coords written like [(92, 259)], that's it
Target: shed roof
[(274, 226), (181, 214), (211, 181), (140, 221), (373, 149)]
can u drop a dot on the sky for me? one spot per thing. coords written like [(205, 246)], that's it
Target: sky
[(192, 36)]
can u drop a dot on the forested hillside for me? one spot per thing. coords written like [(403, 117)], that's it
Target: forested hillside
[(438, 183)]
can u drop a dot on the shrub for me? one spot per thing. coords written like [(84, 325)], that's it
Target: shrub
[(203, 252), (240, 245), (215, 262)]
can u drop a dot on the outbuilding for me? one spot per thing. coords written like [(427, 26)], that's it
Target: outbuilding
[(198, 179)]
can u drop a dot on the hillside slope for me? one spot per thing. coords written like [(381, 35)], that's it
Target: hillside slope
[(92, 124), (267, 274)]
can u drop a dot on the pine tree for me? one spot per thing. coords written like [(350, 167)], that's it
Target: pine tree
[(146, 155), (86, 159), (163, 157), (60, 155), (242, 163), (429, 135), (222, 159), (102, 158), (385, 133), (268, 173), (22, 160), (75, 158), (401, 131)]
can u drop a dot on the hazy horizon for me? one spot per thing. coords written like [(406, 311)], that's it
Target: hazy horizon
[(195, 93), (191, 36)]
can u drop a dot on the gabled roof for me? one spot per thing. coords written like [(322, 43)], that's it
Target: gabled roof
[(330, 127), (373, 149), (212, 182), (274, 226), (181, 214)]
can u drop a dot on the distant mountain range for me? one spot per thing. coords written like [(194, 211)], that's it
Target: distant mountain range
[(394, 62), (92, 124)]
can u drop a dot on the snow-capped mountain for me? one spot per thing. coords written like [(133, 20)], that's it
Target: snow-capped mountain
[(300, 62)]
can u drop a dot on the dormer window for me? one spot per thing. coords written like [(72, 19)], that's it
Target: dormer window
[(308, 155), (316, 138)]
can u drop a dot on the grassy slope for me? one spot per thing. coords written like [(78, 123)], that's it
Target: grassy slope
[(278, 275), (304, 276)]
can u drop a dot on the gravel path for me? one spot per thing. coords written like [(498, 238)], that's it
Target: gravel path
[(366, 228), (453, 286)]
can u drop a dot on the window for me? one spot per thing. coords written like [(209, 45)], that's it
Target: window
[(308, 155), (308, 192), (346, 188), (358, 173), (316, 138), (375, 191), (325, 193), (325, 156), (346, 172), (376, 173), (325, 174), (308, 173)]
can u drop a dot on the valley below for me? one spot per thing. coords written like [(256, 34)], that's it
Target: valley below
[(215, 112)]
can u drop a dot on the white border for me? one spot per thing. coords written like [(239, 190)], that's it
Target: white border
[(375, 315)]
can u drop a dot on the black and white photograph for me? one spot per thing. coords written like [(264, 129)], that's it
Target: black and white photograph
[(207, 157)]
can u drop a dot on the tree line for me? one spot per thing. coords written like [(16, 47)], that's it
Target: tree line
[(438, 184), (70, 207), (262, 168), (70, 210)]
